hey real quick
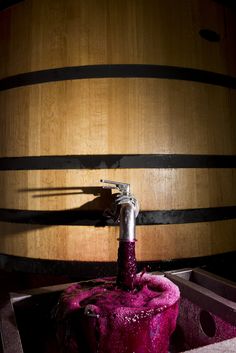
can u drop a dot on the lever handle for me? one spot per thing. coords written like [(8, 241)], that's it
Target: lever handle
[(124, 188)]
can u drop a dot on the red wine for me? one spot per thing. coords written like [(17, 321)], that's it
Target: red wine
[(107, 319), (132, 314), (126, 265)]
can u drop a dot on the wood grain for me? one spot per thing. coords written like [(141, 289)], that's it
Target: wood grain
[(117, 116), (84, 32), (156, 189), (100, 244), (110, 116)]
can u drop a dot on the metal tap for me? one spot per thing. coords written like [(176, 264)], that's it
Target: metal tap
[(124, 210)]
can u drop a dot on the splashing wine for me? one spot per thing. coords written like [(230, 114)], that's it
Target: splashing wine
[(134, 313), (126, 274)]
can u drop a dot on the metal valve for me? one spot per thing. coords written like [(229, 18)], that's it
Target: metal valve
[(124, 188), (124, 197)]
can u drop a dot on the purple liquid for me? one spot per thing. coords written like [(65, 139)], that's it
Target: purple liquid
[(119, 321), (126, 265), (134, 314)]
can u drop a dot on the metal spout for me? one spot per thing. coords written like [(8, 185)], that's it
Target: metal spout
[(127, 223), (125, 209)]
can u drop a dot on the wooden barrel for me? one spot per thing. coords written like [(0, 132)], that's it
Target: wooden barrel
[(139, 91)]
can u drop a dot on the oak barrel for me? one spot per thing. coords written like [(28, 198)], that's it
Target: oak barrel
[(139, 91)]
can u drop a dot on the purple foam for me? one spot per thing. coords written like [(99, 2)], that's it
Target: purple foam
[(107, 319)]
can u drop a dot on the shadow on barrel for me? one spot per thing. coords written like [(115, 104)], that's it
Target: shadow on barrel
[(88, 214)]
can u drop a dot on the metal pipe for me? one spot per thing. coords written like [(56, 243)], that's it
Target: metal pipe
[(127, 223), (126, 209)]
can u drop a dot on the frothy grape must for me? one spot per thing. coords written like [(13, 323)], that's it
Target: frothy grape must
[(126, 272), (132, 313)]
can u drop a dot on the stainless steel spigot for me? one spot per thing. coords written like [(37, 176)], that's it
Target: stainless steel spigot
[(125, 209), (124, 188)]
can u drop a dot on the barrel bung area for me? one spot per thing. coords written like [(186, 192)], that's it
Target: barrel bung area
[(139, 91)]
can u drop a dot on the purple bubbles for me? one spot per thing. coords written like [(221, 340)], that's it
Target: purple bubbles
[(106, 319), (126, 265)]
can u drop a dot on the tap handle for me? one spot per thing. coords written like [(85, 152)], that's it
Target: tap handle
[(122, 187)]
